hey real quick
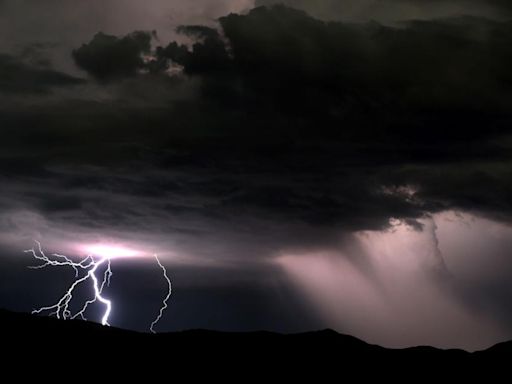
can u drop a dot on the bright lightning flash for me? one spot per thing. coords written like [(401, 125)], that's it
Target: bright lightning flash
[(166, 299), (99, 256)]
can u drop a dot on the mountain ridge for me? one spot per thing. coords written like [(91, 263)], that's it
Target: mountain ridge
[(284, 354), (80, 325)]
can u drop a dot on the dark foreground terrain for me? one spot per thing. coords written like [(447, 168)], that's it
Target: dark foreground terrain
[(55, 349)]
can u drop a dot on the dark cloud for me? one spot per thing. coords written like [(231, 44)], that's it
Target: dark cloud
[(420, 65), (298, 119), (208, 54), (107, 56), (21, 78), (63, 25)]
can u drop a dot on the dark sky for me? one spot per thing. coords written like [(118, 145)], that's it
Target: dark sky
[(345, 164)]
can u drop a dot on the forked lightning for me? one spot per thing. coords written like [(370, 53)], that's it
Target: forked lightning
[(86, 271)]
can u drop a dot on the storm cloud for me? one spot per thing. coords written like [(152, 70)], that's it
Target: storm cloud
[(272, 143), (21, 77)]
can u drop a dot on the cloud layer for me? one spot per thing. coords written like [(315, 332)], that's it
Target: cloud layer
[(391, 11)]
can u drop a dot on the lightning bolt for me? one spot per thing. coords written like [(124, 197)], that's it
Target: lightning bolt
[(90, 266), (166, 299), (86, 271)]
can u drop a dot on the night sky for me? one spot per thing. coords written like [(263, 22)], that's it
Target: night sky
[(339, 164)]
